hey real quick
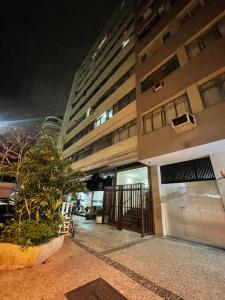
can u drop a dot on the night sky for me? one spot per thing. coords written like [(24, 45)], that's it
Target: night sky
[(42, 45)]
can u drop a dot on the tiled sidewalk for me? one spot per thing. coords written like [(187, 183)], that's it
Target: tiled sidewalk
[(140, 269), (70, 268), (171, 269)]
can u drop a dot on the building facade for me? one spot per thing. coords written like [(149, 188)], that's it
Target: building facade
[(180, 72), (148, 105), (99, 126), (51, 127)]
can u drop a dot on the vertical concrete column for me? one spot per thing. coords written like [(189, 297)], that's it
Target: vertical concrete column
[(156, 199), (218, 163), (195, 98), (182, 55)]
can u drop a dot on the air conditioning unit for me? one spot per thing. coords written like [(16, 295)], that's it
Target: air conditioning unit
[(158, 86), (183, 123)]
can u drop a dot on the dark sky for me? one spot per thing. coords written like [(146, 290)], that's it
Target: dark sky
[(42, 44)]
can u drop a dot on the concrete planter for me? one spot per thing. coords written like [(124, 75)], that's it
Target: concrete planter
[(11, 256)]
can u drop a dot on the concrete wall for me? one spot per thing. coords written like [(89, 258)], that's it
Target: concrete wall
[(210, 127), (12, 257)]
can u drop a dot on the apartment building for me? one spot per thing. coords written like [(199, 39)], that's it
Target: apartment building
[(180, 72), (147, 106), (99, 131), (51, 127)]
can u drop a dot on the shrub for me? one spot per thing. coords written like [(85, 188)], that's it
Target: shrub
[(29, 233), (44, 178)]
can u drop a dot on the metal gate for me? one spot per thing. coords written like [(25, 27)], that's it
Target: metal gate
[(128, 207)]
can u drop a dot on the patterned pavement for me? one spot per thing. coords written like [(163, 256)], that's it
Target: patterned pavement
[(169, 268)]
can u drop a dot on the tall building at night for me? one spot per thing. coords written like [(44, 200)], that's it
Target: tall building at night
[(148, 106), (99, 127), (51, 127)]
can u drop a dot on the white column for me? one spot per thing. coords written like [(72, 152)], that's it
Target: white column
[(156, 199)]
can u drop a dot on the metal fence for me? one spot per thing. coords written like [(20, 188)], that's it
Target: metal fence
[(128, 207)]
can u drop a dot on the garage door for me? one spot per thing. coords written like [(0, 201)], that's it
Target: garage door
[(194, 209)]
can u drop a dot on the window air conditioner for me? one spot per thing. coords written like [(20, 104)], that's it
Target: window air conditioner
[(158, 86), (183, 123)]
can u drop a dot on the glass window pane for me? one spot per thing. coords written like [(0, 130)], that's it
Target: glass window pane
[(133, 130), (116, 138), (157, 119), (181, 106), (124, 134), (170, 112), (148, 123), (211, 96)]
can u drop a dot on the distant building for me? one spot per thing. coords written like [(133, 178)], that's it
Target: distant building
[(51, 127)]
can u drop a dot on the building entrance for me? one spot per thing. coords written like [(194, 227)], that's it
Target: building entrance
[(129, 207)]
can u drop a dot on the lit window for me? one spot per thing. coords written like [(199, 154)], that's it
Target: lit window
[(102, 42), (125, 42), (88, 112), (94, 55)]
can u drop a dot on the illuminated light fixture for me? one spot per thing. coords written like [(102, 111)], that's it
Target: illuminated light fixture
[(102, 42), (125, 42)]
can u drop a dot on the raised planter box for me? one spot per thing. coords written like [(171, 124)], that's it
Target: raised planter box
[(11, 256)]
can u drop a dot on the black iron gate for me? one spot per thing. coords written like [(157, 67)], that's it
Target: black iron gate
[(128, 207)]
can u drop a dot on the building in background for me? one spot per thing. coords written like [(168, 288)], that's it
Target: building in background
[(148, 106), (51, 127)]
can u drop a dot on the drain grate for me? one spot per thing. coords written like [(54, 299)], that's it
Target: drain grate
[(98, 289)]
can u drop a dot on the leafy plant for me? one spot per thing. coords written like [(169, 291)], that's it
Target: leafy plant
[(28, 233), (44, 178)]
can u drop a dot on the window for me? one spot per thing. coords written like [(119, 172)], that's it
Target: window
[(161, 73), (104, 117), (163, 115), (206, 39), (213, 91), (147, 13), (125, 42), (191, 12), (116, 136), (124, 134), (166, 36), (154, 19), (143, 57)]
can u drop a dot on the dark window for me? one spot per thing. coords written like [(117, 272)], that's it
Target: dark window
[(166, 36), (206, 39), (192, 170), (161, 73), (155, 18), (213, 91), (190, 13)]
